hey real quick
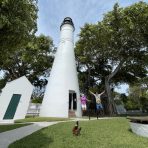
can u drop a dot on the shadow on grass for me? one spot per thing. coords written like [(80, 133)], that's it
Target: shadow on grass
[(37, 140), (130, 130)]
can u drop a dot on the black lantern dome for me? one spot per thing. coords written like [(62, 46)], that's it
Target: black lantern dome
[(67, 20)]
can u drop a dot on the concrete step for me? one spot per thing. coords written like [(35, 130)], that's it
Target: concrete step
[(72, 114)]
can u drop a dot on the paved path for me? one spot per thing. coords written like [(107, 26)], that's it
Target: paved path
[(9, 137)]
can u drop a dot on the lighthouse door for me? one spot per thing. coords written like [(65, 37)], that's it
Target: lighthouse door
[(72, 100)]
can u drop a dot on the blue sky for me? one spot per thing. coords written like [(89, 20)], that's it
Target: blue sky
[(52, 12)]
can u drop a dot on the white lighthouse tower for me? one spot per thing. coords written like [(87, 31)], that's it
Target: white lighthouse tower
[(61, 97)]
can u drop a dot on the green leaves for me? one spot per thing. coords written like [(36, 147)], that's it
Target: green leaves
[(115, 50), (120, 36), (32, 60), (18, 22)]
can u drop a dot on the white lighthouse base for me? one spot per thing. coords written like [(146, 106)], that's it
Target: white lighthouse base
[(70, 107)]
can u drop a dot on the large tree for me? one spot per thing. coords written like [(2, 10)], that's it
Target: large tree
[(120, 41), (18, 23), (33, 61)]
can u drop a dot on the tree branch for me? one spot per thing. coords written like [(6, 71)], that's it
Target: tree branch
[(116, 70)]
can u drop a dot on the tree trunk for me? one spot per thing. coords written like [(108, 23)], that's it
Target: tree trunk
[(110, 101)]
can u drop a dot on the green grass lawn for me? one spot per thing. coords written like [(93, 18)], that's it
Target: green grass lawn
[(4, 128), (40, 119), (107, 133)]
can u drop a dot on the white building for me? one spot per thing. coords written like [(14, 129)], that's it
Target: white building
[(14, 99), (62, 92)]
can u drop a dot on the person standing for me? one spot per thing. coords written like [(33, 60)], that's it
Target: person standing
[(83, 102), (99, 106)]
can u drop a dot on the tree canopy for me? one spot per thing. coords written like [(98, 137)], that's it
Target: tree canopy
[(18, 23), (33, 61), (21, 51), (115, 49)]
